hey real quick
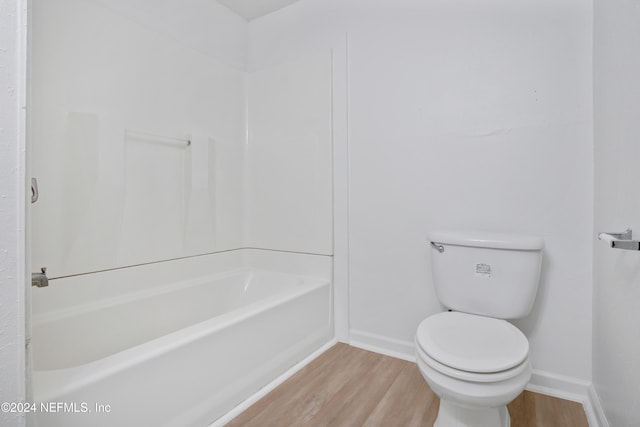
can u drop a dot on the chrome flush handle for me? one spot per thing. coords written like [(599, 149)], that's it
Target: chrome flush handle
[(438, 246)]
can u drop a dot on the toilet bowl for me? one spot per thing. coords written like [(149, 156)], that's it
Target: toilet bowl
[(475, 364)]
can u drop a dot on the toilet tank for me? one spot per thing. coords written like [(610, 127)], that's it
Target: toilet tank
[(485, 273)]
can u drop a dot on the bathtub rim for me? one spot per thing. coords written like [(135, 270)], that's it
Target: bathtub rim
[(149, 291)]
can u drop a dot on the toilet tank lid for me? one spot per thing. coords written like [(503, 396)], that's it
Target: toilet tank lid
[(487, 239)]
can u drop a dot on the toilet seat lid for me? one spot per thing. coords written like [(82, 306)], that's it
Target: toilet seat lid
[(472, 343)]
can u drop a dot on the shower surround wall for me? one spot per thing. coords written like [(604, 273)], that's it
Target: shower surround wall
[(289, 176), (110, 198), (461, 114)]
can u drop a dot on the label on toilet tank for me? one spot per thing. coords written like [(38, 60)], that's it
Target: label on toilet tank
[(483, 270)]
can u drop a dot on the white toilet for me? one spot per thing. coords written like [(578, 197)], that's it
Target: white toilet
[(472, 358)]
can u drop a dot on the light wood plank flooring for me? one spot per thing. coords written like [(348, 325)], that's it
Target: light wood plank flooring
[(347, 386)]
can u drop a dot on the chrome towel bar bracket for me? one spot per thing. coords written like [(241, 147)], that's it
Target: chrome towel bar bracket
[(621, 240), (34, 190)]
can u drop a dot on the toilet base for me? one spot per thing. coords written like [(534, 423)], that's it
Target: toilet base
[(452, 415)]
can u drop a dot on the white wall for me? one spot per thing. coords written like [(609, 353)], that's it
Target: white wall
[(461, 115), (12, 202), (616, 342), (203, 25), (101, 69), (289, 174)]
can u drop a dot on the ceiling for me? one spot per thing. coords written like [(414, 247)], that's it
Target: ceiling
[(252, 9)]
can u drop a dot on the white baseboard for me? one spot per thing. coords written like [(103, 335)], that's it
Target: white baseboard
[(595, 411), (561, 386), (573, 389), (542, 382), (272, 385), (384, 345)]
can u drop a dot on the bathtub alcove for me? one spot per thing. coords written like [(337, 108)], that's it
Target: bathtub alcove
[(177, 343), (161, 157)]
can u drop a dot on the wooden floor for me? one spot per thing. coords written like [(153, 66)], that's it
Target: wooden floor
[(347, 386)]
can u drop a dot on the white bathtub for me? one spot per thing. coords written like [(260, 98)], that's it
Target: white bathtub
[(180, 354)]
